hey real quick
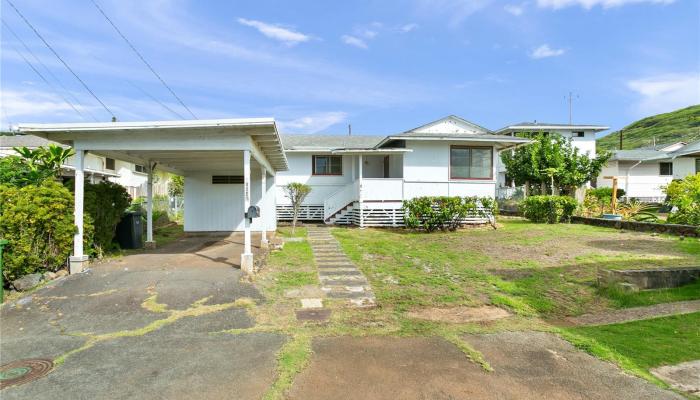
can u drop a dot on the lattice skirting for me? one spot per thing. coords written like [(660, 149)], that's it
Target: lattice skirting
[(306, 213)]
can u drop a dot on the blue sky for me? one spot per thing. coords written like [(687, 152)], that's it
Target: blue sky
[(382, 66)]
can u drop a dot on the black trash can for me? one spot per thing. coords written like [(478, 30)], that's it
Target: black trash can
[(130, 231)]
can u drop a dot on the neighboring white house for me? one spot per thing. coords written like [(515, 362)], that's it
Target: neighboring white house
[(97, 167), (643, 172), (582, 136), (363, 180)]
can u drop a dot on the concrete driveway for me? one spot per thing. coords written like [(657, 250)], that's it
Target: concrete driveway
[(143, 326)]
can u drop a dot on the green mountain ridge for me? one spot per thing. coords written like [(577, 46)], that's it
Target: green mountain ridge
[(677, 126)]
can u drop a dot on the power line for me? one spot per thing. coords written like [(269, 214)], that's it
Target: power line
[(62, 61), (156, 100), (60, 83), (143, 59), (41, 75)]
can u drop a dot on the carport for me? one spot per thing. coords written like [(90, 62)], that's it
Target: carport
[(228, 165)]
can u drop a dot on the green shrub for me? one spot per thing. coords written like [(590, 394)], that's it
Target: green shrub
[(106, 203), (684, 196), (38, 222), (433, 213), (549, 209), (604, 194)]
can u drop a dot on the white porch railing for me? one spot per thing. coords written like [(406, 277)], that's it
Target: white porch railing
[(385, 189), (341, 198)]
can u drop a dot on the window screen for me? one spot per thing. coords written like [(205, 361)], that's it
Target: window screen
[(470, 162), (139, 168), (327, 165), (109, 163), (666, 168)]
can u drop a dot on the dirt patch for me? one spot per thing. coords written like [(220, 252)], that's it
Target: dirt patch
[(684, 376), (527, 365), (458, 315), (637, 313)]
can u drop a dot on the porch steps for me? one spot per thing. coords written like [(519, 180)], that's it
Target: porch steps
[(339, 277)]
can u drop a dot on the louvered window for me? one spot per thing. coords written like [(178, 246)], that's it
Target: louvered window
[(226, 179)]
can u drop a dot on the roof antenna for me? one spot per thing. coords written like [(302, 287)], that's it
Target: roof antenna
[(114, 119), (349, 130), (571, 101)]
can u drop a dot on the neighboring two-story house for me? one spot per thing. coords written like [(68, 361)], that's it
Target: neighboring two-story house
[(644, 172)]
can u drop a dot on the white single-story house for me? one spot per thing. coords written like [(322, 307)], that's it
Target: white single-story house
[(232, 164), (643, 172), (582, 136), (363, 180), (97, 168)]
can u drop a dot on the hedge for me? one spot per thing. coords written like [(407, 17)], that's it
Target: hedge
[(549, 209), (37, 220), (446, 213)]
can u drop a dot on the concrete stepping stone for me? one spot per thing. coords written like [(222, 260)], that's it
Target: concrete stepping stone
[(340, 278)]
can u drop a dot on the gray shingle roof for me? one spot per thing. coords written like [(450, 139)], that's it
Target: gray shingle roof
[(24, 141), (637, 155), (690, 148), (300, 142)]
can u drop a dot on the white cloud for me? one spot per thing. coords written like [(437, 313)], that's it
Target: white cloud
[(456, 11), (408, 27), (514, 9), (545, 51), (23, 103), (667, 92), (354, 41), (312, 123), (276, 32), (588, 4)]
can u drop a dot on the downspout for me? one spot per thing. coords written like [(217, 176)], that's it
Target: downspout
[(627, 179)]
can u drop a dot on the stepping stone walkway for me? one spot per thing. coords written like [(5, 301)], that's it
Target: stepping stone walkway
[(339, 277)]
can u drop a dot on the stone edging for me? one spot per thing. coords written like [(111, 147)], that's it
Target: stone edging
[(671, 229)]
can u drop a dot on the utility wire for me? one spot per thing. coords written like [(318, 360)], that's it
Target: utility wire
[(143, 59), (156, 100), (48, 70), (42, 76), (62, 61)]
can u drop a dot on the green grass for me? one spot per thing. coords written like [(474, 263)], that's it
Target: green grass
[(651, 343), (554, 267), (624, 299), (167, 234), (676, 126), (286, 231), (294, 256)]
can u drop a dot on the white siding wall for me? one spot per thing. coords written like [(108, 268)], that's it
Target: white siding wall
[(683, 166), (300, 171), (644, 180), (212, 208), (427, 172), (373, 166)]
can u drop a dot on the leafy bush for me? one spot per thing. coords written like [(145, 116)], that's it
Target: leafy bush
[(33, 166), (604, 193), (684, 196), (549, 209), (38, 222), (433, 213), (105, 202)]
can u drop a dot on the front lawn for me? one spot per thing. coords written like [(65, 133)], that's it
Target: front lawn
[(651, 343), (545, 269)]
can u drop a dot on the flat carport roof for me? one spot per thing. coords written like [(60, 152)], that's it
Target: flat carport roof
[(174, 146)]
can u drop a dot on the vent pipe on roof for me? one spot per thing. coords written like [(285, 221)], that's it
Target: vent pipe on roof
[(349, 130)]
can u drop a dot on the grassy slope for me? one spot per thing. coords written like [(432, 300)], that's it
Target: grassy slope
[(679, 125), (651, 343)]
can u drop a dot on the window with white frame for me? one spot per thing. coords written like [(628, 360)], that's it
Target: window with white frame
[(471, 162), (327, 165)]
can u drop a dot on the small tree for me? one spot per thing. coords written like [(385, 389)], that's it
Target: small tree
[(296, 193), (552, 163), (176, 188)]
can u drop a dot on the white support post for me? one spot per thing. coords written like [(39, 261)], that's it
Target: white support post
[(150, 243), (247, 256), (263, 210), (78, 259), (362, 217)]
